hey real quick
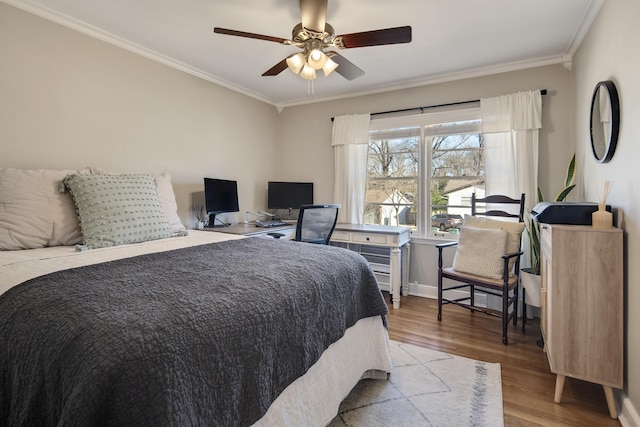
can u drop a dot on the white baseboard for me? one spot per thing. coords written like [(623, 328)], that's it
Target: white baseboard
[(627, 414), (431, 291)]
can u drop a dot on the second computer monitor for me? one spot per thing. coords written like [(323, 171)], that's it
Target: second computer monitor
[(289, 195)]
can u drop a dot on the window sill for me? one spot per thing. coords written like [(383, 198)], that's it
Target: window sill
[(432, 240)]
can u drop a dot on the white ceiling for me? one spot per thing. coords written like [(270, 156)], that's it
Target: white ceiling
[(452, 39)]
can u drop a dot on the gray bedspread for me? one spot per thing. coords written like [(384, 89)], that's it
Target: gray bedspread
[(207, 335)]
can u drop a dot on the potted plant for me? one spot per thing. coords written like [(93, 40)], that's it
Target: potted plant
[(530, 276), (200, 214)]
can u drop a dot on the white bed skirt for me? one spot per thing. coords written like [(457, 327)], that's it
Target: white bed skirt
[(314, 398)]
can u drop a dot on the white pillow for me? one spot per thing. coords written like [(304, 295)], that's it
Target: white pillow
[(514, 230), (169, 205), (480, 252), (33, 212)]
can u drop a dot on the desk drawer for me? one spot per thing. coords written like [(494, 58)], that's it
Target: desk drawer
[(341, 236), (375, 258), (383, 279), (374, 250), (380, 239)]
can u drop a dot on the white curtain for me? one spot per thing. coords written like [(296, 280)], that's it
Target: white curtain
[(350, 141), (510, 125)]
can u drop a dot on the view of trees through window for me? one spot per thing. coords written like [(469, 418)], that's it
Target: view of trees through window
[(444, 162), (392, 181)]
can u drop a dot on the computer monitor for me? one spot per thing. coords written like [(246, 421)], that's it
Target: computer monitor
[(289, 195), (221, 196)]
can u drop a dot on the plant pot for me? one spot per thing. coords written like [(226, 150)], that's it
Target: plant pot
[(531, 287)]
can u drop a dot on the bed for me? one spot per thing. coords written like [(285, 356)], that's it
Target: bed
[(199, 328)]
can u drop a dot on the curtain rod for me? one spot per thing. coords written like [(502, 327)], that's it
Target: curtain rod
[(542, 92)]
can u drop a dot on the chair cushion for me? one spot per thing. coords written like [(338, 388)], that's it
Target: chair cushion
[(480, 252), (514, 231), (479, 281)]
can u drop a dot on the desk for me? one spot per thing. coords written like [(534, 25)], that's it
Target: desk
[(250, 229), (385, 247)]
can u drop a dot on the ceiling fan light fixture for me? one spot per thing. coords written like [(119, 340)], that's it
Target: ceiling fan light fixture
[(313, 35), (308, 72), (296, 62), (317, 59), (329, 66)]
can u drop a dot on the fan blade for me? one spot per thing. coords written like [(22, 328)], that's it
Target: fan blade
[(276, 69), (374, 38), (249, 35), (346, 68), (314, 14)]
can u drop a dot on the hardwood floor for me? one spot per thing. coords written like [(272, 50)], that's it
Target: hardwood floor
[(527, 383)]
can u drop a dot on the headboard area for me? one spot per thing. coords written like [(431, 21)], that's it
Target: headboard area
[(90, 206)]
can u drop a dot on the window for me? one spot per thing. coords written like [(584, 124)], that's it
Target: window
[(422, 170)]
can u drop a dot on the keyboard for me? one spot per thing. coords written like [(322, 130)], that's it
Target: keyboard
[(270, 223)]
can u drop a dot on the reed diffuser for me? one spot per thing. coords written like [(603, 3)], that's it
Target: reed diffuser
[(603, 218)]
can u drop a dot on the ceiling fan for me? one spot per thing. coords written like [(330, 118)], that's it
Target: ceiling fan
[(314, 35)]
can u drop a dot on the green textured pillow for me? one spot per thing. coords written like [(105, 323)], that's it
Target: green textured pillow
[(118, 209)]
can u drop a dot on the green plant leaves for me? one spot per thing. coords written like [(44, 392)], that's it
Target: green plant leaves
[(563, 194), (571, 173), (533, 228)]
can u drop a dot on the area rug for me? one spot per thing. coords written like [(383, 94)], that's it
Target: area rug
[(426, 388)]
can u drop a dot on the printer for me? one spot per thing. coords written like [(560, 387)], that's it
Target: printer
[(573, 213)]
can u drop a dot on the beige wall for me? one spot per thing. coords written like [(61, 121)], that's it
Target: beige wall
[(70, 101), (609, 52)]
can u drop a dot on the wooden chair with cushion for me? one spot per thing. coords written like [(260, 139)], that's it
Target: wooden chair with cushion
[(487, 258)]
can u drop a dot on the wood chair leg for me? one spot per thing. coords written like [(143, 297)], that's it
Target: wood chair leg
[(524, 310), (505, 314), (472, 295), (439, 296), (515, 306)]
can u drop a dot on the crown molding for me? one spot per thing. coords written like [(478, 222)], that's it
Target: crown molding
[(443, 78), (122, 43), (84, 28), (587, 19)]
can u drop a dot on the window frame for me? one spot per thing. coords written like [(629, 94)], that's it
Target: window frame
[(425, 127)]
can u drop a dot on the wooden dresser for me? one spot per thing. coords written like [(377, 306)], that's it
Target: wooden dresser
[(582, 305)]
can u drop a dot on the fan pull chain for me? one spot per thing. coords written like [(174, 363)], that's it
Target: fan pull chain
[(311, 92)]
